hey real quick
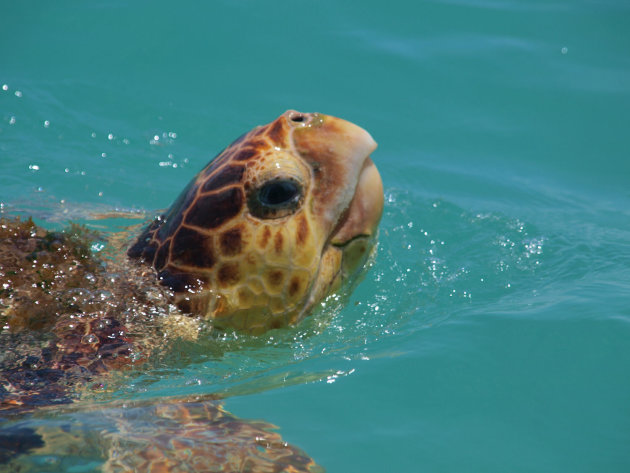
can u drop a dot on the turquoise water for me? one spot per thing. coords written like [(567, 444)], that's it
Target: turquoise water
[(491, 333)]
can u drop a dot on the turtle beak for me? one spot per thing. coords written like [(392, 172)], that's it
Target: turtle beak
[(365, 209), (348, 192)]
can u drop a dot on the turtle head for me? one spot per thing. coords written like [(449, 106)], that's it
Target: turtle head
[(272, 225)]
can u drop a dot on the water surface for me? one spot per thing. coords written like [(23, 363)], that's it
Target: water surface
[(491, 333)]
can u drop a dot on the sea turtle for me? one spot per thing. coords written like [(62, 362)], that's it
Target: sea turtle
[(269, 227)]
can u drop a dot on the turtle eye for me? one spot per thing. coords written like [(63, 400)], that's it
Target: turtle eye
[(279, 193), (276, 198)]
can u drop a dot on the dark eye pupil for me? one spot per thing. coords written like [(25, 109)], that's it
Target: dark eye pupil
[(276, 198), (278, 193)]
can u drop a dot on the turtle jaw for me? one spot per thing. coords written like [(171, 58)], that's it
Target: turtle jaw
[(354, 237)]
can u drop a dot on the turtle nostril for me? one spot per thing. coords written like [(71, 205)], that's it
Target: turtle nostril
[(297, 118)]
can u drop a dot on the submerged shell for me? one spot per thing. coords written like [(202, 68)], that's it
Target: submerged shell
[(186, 435)]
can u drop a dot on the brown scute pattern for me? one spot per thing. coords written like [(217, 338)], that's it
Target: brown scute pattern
[(138, 248), (170, 224), (294, 286), (275, 277), (162, 255), (210, 201), (211, 168), (186, 306), (213, 210), (245, 154), (193, 304), (231, 242), (170, 221), (228, 274), (257, 144), (148, 253), (178, 281), (231, 174), (191, 248)]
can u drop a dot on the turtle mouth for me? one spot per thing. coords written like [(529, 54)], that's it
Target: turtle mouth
[(360, 220)]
